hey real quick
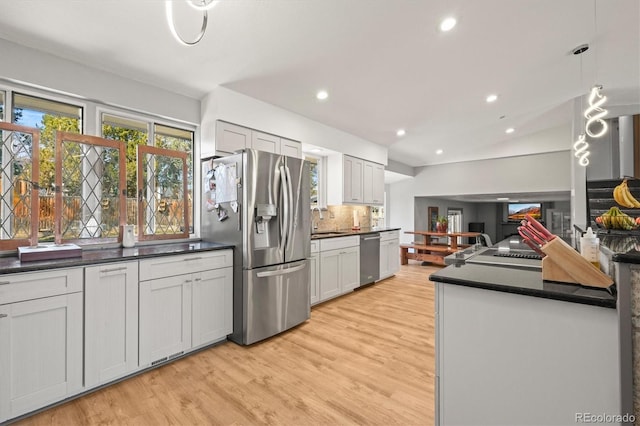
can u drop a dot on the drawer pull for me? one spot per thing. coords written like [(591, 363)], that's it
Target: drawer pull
[(198, 279), (105, 271), (5, 282), (188, 281), (4, 315), (192, 258)]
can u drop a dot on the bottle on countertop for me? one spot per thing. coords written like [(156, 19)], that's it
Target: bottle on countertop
[(590, 247)]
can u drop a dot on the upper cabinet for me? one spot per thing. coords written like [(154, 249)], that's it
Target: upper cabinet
[(353, 180), (231, 137)]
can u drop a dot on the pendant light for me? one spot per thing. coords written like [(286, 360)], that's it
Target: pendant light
[(200, 5), (595, 126), (581, 146)]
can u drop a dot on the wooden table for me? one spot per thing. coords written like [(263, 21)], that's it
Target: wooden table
[(429, 252)]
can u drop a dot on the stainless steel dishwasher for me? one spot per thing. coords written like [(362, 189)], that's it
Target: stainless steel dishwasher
[(369, 258)]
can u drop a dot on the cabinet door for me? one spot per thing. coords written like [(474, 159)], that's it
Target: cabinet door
[(40, 353), (353, 175), (367, 182), (378, 184), (394, 256), (212, 316), (349, 268), (265, 142), (110, 322), (329, 274), (384, 259), (230, 138), (314, 266), (165, 318), (290, 148)]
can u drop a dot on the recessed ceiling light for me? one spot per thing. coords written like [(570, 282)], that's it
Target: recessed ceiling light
[(316, 150), (492, 98), (322, 95), (502, 198), (510, 130), (401, 132), (439, 151), (447, 24)]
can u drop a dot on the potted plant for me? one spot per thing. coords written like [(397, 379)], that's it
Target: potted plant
[(441, 224)]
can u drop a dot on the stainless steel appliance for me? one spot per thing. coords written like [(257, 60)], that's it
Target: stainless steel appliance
[(369, 258), (260, 202)]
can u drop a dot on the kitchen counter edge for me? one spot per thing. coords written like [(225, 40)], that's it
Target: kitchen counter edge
[(12, 265), (338, 234)]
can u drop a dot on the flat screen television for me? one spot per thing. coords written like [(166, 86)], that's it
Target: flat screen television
[(516, 211)]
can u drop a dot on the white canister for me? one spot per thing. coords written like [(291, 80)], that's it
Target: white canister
[(128, 238)]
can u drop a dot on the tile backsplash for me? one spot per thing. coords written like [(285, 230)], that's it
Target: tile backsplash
[(340, 218)]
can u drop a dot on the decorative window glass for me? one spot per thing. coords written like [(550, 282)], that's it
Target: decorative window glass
[(90, 194), (180, 140), (162, 194), (49, 117), (18, 186), (1, 106)]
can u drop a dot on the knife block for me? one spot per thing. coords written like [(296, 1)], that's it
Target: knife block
[(562, 263)]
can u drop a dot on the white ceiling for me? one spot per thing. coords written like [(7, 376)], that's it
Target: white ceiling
[(384, 62)]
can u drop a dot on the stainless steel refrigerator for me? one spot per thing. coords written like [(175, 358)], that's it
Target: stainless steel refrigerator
[(259, 202)]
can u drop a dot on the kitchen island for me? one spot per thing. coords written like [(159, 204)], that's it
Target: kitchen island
[(514, 349)]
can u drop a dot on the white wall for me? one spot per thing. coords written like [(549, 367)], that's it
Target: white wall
[(531, 173), (234, 107), (34, 68)]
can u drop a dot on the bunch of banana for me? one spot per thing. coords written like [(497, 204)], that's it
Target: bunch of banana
[(623, 196), (614, 218)]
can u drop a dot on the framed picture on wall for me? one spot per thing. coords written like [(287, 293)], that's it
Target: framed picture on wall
[(432, 214)]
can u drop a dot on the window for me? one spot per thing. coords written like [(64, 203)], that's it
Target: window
[(48, 116), (1, 106), (454, 219), (317, 170)]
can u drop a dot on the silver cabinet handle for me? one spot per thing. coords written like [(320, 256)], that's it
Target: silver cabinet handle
[(5, 282), (3, 315), (198, 279), (192, 258), (188, 281), (105, 271)]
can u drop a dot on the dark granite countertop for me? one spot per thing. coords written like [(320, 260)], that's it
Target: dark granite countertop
[(622, 246), (346, 233), (11, 264), (522, 281)]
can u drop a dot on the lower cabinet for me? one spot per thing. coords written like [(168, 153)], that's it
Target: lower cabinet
[(110, 322), (314, 266), (40, 341), (189, 309), (389, 254), (339, 266)]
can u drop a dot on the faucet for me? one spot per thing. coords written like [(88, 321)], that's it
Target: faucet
[(315, 224)]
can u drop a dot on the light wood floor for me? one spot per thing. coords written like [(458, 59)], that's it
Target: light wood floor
[(366, 358)]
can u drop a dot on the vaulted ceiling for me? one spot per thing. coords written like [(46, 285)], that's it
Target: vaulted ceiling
[(385, 63)]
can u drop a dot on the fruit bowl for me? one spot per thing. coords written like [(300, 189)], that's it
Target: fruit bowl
[(614, 218)]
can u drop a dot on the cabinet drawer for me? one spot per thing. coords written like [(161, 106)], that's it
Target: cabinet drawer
[(389, 235), (168, 266), (337, 243), (34, 285), (315, 246)]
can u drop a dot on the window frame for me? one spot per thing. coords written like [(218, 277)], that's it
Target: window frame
[(321, 162)]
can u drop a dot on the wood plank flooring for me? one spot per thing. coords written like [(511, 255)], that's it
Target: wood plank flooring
[(366, 358)]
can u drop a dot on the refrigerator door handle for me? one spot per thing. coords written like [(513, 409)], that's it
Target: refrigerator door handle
[(285, 215), (280, 272), (292, 219)]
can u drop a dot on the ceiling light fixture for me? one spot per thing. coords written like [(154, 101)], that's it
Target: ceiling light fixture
[(447, 24), (401, 132), (510, 130), (439, 151), (322, 95), (492, 98), (502, 199), (581, 146), (201, 5)]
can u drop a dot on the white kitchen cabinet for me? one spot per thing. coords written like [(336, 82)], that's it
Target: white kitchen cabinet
[(110, 322), (185, 302), (339, 266), (291, 148), (231, 137), (212, 307), (354, 181), (314, 266), (265, 142), (389, 253), (373, 183), (40, 340)]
